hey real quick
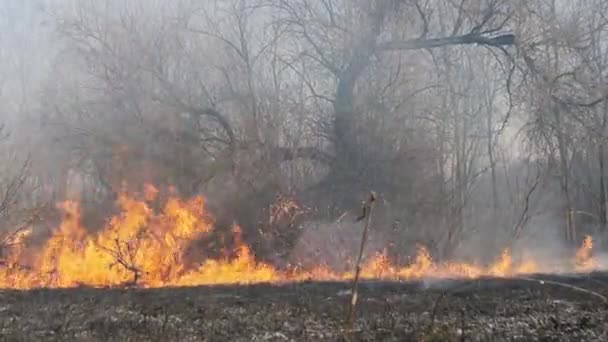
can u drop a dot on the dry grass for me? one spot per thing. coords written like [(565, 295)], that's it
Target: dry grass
[(487, 310)]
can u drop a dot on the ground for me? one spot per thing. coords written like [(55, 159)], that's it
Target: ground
[(474, 310)]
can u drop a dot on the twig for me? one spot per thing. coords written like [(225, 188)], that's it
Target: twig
[(435, 307), (120, 259), (524, 217), (367, 209), (339, 220)]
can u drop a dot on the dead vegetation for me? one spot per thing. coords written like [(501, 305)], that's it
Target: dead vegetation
[(482, 310)]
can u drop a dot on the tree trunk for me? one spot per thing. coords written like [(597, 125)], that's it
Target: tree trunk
[(570, 232), (603, 217), (491, 158)]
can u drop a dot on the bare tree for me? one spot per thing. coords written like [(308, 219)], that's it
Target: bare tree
[(559, 63), (316, 102)]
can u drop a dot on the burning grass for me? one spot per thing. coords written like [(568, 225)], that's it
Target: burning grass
[(144, 247)]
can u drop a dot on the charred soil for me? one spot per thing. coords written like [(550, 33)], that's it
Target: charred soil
[(473, 310)]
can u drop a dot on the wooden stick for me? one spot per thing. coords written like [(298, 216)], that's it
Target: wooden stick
[(367, 212)]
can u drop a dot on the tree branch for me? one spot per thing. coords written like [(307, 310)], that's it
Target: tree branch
[(466, 39), (217, 116), (290, 154)]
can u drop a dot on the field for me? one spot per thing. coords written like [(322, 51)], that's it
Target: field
[(472, 310)]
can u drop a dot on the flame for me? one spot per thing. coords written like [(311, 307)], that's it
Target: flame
[(144, 247), (583, 258)]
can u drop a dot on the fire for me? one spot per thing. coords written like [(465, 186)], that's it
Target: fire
[(144, 247), (583, 258)]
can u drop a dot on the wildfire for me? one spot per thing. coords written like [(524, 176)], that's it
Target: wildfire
[(144, 247)]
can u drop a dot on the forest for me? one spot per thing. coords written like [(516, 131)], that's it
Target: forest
[(479, 124), (206, 170)]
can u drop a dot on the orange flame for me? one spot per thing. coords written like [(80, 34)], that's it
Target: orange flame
[(141, 247), (583, 258)]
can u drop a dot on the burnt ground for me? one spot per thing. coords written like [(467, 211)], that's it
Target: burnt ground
[(480, 310)]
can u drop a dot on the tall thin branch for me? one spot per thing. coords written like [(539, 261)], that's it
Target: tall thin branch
[(367, 213)]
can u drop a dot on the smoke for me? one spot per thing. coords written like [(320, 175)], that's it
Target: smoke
[(74, 102), (335, 244)]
